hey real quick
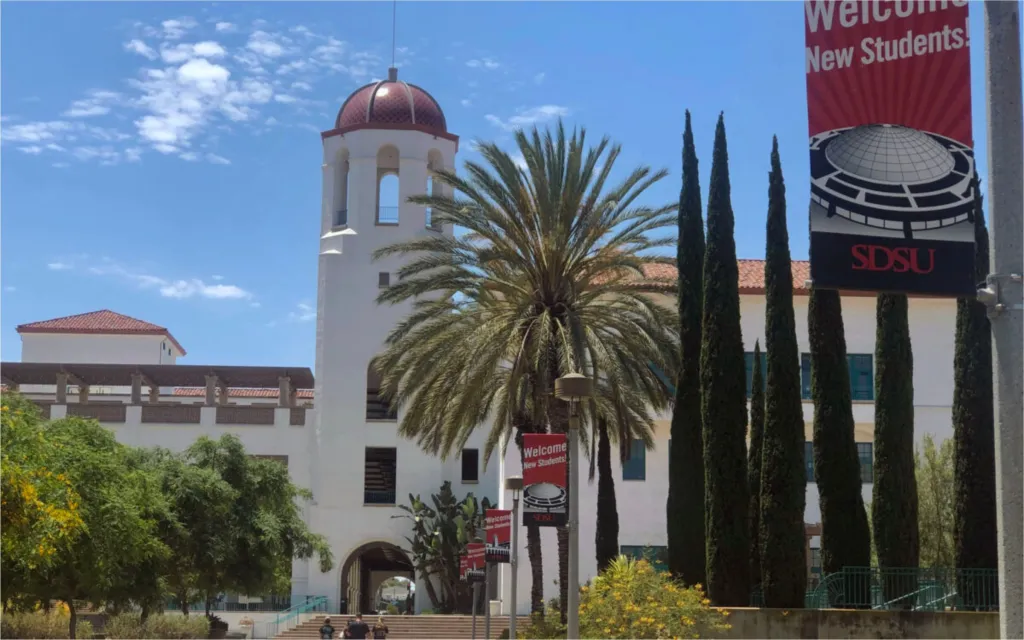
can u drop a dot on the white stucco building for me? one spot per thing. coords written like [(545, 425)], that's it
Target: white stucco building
[(334, 432)]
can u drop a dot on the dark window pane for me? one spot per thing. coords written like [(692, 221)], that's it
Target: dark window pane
[(809, 460), (470, 465), (635, 468)]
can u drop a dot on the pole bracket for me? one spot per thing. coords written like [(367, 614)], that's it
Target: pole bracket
[(989, 294)]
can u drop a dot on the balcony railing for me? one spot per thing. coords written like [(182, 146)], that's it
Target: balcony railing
[(340, 218), (387, 215), (297, 417), (245, 415), (378, 408), (101, 412), (171, 414), (375, 496)]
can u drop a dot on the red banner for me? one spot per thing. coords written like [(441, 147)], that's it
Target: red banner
[(892, 168), (499, 535), (545, 459), (474, 561)]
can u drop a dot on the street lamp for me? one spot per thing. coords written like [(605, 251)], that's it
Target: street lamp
[(515, 485), (573, 388)]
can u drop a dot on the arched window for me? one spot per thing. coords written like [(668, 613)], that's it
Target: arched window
[(387, 185), (341, 170)]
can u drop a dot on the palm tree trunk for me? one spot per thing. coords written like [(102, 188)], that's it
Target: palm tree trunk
[(606, 540)]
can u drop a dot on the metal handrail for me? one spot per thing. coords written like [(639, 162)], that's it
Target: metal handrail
[(313, 603)]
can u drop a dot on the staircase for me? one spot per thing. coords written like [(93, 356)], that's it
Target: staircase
[(412, 627)]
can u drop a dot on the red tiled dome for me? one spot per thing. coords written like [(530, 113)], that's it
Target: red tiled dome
[(391, 102)]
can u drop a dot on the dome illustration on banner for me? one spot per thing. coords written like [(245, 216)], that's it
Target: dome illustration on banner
[(893, 177), (544, 497)]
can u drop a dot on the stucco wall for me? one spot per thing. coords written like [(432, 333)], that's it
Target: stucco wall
[(97, 348), (641, 504)]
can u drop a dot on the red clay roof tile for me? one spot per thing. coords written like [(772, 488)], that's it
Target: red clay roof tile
[(103, 321)]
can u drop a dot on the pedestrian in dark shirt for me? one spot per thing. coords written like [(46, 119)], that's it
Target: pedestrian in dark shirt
[(380, 630), (359, 630), (327, 631)]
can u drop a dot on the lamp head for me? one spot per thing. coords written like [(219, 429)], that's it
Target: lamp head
[(573, 386), (514, 484)]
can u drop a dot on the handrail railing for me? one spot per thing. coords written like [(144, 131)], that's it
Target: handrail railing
[(288, 616)]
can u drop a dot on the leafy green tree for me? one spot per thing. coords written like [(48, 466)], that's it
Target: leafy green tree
[(440, 531), (783, 479), (606, 536), (685, 504), (120, 509), (551, 278), (263, 529), (754, 466), (894, 495), (40, 507), (723, 398), (934, 470), (975, 544), (846, 532)]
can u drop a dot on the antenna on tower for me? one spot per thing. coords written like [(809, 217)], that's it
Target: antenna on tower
[(394, 20)]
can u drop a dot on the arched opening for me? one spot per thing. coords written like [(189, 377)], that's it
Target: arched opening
[(434, 163), (377, 407), (387, 185), (365, 571), (395, 595), (341, 171)]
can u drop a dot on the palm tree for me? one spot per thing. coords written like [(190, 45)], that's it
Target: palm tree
[(551, 277)]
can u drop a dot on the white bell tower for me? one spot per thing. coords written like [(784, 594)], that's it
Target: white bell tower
[(388, 138)]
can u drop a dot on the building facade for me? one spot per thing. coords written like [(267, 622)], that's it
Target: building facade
[(336, 433)]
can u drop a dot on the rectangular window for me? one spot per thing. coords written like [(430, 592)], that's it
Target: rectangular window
[(383, 279), (635, 467), (862, 379), (380, 475), (656, 555), (470, 465), (749, 361), (341, 217), (815, 560), (809, 460), (862, 376), (866, 455)]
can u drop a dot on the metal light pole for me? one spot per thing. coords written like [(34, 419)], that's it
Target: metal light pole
[(1003, 294), (487, 599), (572, 388), (515, 485)]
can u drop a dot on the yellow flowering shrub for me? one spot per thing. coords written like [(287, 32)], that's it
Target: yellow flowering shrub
[(632, 600)]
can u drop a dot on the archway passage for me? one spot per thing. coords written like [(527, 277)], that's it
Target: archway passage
[(366, 569)]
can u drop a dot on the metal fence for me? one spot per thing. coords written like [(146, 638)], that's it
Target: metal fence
[(921, 589)]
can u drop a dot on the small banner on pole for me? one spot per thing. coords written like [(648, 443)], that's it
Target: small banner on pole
[(474, 561), (545, 458), (499, 535), (892, 165)]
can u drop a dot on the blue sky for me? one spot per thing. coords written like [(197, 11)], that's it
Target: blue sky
[(163, 159)]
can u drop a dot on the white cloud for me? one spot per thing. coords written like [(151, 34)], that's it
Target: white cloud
[(519, 160), (302, 86), (255, 305), (10, 289), (184, 51), (33, 150), (466, 102), (485, 63), (539, 78), (97, 104), (175, 29), (529, 117), (217, 278), (285, 98), (226, 27), (178, 289), (303, 313), (215, 159), (265, 44), (141, 48), (35, 131)]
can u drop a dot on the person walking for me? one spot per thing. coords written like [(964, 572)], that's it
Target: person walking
[(327, 630), (380, 630), (359, 630)]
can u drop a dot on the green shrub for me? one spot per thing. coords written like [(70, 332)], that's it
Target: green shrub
[(38, 624), (632, 600), (169, 626), (392, 609)]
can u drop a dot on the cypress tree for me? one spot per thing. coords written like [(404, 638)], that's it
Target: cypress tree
[(974, 538), (894, 495), (685, 505), (723, 398), (754, 466), (606, 536), (845, 532), (783, 479)]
